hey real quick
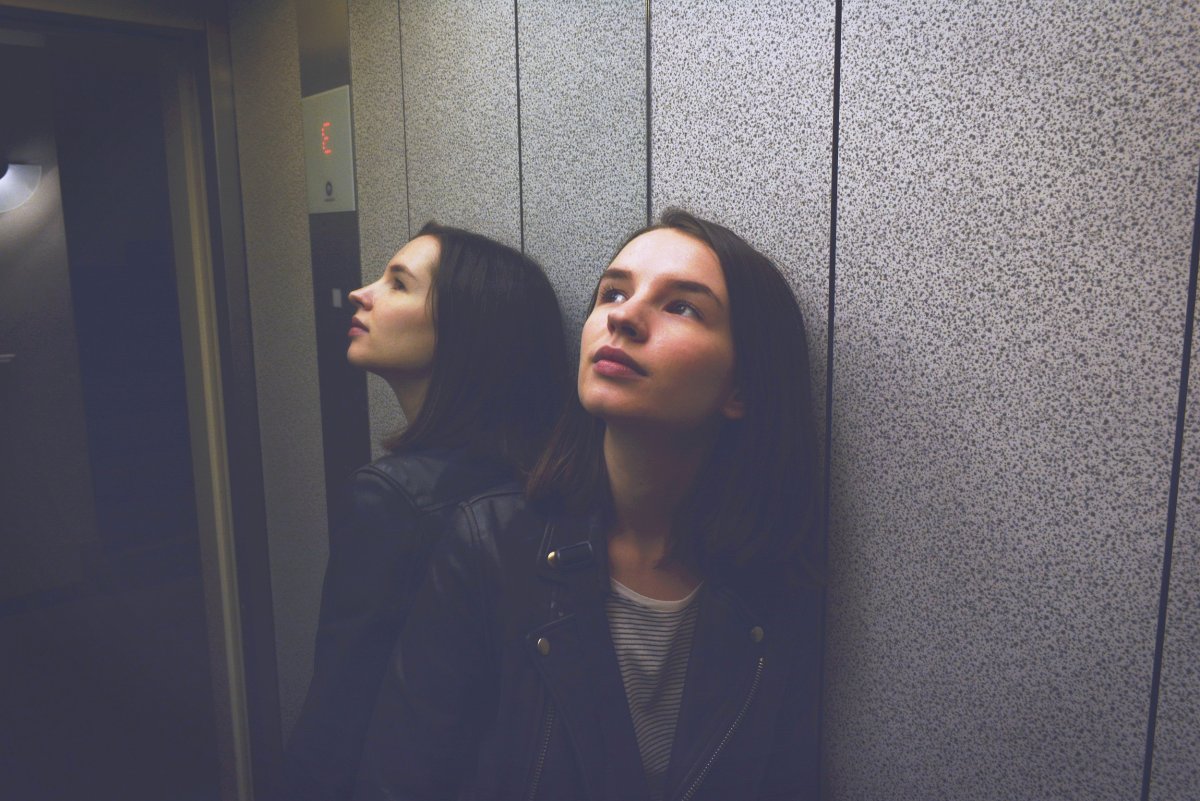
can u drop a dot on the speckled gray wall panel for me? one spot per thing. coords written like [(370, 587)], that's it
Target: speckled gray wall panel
[(460, 109), (742, 125), (583, 135), (266, 74), (378, 105), (1176, 774), (1015, 215)]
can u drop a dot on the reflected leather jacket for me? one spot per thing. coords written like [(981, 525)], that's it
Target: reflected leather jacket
[(506, 685), (391, 512)]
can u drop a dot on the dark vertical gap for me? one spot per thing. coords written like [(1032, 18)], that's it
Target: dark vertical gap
[(1176, 461), (404, 120), (649, 172), (520, 151), (833, 220)]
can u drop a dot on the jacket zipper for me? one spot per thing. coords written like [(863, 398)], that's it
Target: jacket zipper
[(732, 728), (541, 757)]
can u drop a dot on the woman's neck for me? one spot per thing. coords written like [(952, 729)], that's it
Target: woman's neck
[(411, 395), (649, 475)]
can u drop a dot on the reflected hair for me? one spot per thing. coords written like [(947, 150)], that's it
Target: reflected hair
[(500, 372), (757, 502)]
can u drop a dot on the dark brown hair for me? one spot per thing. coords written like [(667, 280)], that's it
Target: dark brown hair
[(757, 501), (500, 371)]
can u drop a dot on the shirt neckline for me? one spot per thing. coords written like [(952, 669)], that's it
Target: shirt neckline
[(654, 603)]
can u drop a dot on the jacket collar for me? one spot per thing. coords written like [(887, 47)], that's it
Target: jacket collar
[(579, 665), (726, 650), (584, 679)]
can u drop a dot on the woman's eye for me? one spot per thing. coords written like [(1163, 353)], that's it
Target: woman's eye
[(685, 309), (610, 294), (398, 284)]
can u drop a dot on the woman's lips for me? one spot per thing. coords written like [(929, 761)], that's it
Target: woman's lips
[(356, 328), (616, 363)]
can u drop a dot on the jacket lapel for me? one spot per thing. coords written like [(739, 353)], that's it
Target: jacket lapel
[(725, 656), (579, 666)]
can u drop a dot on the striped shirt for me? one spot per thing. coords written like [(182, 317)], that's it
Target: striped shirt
[(653, 640)]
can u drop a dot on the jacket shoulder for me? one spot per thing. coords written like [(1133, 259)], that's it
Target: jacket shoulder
[(437, 478), (495, 536), (500, 520)]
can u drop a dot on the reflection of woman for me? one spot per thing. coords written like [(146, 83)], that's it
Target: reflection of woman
[(468, 334), (646, 626)]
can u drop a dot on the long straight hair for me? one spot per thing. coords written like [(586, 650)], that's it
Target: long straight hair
[(756, 502), (500, 371)]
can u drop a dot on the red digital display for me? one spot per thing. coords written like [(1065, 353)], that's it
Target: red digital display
[(325, 148)]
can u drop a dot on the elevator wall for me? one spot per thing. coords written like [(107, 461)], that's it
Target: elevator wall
[(987, 213), (1016, 206)]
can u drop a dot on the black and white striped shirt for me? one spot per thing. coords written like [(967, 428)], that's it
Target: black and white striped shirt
[(652, 639)]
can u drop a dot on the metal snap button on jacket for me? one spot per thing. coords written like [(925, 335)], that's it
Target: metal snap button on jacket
[(543, 646)]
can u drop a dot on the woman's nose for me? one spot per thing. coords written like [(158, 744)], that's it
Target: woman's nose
[(360, 297), (626, 320)]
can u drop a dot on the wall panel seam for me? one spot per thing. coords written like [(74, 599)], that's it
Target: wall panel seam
[(833, 220), (520, 148), (404, 121), (1172, 500), (835, 145), (649, 139)]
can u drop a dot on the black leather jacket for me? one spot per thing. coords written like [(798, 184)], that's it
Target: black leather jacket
[(391, 512), (506, 684)]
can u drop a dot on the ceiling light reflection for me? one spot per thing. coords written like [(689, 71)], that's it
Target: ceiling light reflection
[(17, 185)]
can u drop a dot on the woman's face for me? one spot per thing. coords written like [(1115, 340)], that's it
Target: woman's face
[(657, 347), (392, 333)]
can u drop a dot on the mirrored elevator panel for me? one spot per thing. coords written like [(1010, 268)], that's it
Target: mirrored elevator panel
[(104, 649)]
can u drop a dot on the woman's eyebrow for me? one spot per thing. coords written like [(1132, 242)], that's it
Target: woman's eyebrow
[(618, 273), (679, 284), (400, 268), (697, 288)]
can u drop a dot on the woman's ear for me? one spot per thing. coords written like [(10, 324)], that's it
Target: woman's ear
[(734, 407)]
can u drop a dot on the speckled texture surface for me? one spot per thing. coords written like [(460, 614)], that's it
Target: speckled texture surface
[(266, 74), (1176, 773), (1015, 215), (583, 133), (378, 105), (460, 108), (742, 126)]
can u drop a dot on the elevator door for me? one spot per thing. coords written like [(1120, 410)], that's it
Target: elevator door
[(104, 650)]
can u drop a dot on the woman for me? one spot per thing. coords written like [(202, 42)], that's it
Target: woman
[(468, 334), (647, 626)]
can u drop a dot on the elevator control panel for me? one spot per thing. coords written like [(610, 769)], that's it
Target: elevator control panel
[(329, 151)]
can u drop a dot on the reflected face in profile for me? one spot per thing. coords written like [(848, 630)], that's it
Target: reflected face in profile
[(392, 333), (658, 347)]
